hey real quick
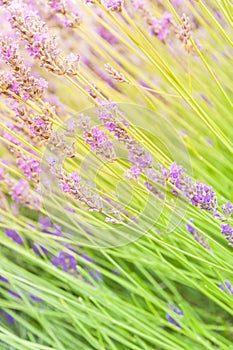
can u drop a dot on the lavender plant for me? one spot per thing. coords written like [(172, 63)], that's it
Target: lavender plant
[(116, 174)]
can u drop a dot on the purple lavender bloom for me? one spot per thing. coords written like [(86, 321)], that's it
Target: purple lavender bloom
[(160, 27), (97, 139), (171, 319), (190, 228), (3, 279), (57, 230), (14, 236), (145, 161), (203, 196), (35, 299), (226, 285), (114, 5), (135, 172), (75, 176), (227, 208), (8, 317), (21, 188), (71, 210), (227, 231), (66, 261), (14, 294), (44, 221), (106, 35), (66, 188), (29, 165), (39, 249), (175, 174)]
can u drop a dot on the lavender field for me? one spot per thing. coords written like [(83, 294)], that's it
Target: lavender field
[(116, 175)]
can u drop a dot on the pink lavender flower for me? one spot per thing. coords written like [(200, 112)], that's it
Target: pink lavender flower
[(135, 171), (30, 166), (108, 114), (66, 188), (14, 235), (97, 139), (76, 190), (58, 5), (10, 137), (106, 35), (23, 83), (160, 27), (20, 189), (2, 173), (114, 5), (40, 43), (64, 8), (21, 193), (76, 177)]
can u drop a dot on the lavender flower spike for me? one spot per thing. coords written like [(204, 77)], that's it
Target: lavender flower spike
[(41, 44)]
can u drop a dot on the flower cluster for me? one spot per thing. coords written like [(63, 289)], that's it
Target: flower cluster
[(138, 156), (114, 5), (161, 27), (97, 139), (20, 191), (41, 44), (65, 9), (198, 193), (227, 208), (22, 81), (70, 184), (39, 125), (158, 27)]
